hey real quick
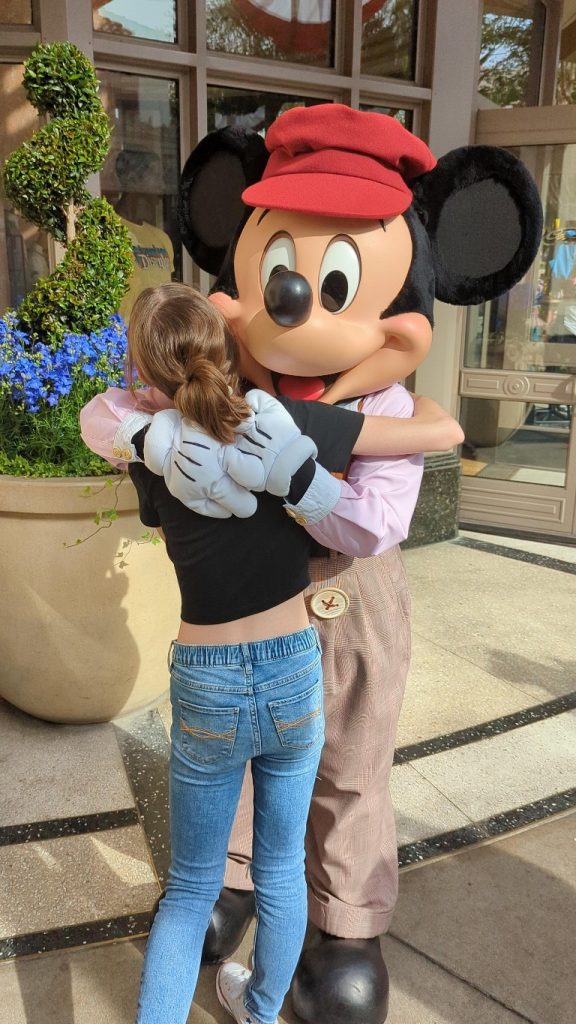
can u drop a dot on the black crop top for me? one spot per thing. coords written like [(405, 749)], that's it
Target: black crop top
[(230, 568)]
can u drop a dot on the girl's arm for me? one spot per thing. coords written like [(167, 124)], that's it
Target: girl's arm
[(430, 429)]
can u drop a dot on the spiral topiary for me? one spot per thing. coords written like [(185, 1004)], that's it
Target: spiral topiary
[(45, 180)]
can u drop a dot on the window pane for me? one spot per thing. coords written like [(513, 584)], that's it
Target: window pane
[(406, 117), (520, 441), (144, 19), (23, 247), (301, 31), (141, 174), (511, 52), (247, 109), (533, 327), (389, 38), (16, 12), (566, 80)]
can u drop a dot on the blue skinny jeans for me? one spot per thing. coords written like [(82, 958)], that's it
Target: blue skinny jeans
[(233, 703)]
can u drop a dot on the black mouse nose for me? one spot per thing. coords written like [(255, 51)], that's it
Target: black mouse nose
[(288, 298)]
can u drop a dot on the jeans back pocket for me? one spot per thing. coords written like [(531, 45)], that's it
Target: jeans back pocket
[(299, 720), (207, 734)]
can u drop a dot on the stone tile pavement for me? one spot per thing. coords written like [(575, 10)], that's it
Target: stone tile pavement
[(484, 785)]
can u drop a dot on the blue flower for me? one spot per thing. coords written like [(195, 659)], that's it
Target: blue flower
[(33, 374)]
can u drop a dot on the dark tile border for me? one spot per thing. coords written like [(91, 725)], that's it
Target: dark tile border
[(57, 828), (145, 749), (498, 825), (485, 730), (70, 936), (518, 554)]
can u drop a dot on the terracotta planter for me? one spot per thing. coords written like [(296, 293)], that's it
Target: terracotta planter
[(82, 638)]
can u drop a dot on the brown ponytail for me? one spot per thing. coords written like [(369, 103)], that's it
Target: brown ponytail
[(180, 343)]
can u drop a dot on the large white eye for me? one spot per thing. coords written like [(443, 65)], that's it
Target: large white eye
[(279, 255), (339, 275)]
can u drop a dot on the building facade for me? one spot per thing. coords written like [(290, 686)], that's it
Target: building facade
[(453, 71)]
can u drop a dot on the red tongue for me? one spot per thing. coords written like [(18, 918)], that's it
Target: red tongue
[(308, 388)]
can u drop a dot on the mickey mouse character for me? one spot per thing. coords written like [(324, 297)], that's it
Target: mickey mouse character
[(330, 241)]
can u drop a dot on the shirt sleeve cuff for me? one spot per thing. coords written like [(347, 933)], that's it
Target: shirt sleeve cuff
[(320, 498), (130, 425)]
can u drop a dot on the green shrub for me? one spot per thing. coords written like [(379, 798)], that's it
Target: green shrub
[(41, 388), (44, 179), (60, 80), (45, 174), (87, 286)]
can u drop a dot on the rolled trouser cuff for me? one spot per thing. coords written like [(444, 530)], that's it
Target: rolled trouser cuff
[(336, 918)]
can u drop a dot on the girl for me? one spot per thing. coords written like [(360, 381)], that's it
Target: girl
[(245, 674)]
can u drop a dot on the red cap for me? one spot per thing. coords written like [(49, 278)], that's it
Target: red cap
[(338, 162)]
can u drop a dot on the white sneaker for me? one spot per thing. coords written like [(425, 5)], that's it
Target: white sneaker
[(231, 982)]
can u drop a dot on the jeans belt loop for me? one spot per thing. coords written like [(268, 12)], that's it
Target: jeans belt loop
[(169, 658)]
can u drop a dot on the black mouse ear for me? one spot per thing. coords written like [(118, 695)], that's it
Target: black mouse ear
[(210, 206), (483, 216)]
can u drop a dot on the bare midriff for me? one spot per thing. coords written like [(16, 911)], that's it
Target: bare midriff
[(288, 617)]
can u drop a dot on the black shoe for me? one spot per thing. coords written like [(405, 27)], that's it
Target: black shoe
[(233, 911), (341, 981)]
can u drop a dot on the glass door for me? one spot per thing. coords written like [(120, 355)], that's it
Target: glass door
[(518, 378)]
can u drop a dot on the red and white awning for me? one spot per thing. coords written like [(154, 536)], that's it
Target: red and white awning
[(296, 25)]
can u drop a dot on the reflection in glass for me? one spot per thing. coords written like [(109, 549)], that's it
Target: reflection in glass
[(247, 109), (518, 441), (566, 78), (23, 247), (511, 52), (16, 12), (141, 174), (144, 19), (405, 117), (301, 31), (389, 39), (533, 327)]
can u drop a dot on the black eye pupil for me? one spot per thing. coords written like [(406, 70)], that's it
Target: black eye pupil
[(334, 291), (277, 269)]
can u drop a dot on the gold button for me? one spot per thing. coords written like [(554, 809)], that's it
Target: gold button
[(117, 452), (297, 516), (329, 603), (127, 454)]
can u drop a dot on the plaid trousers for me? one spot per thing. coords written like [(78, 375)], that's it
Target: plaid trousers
[(351, 855)]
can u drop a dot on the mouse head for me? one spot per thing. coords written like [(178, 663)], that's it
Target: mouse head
[(331, 240)]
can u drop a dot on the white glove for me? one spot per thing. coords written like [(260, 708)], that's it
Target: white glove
[(272, 440), (193, 466)]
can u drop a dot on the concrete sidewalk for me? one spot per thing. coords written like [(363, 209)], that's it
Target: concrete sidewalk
[(484, 788)]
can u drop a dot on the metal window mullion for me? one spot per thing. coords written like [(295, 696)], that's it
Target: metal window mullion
[(104, 63), (67, 19), (352, 51), (194, 118), (183, 25), (139, 52), (550, 51), (232, 65), (394, 88), (425, 14), (17, 46)]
